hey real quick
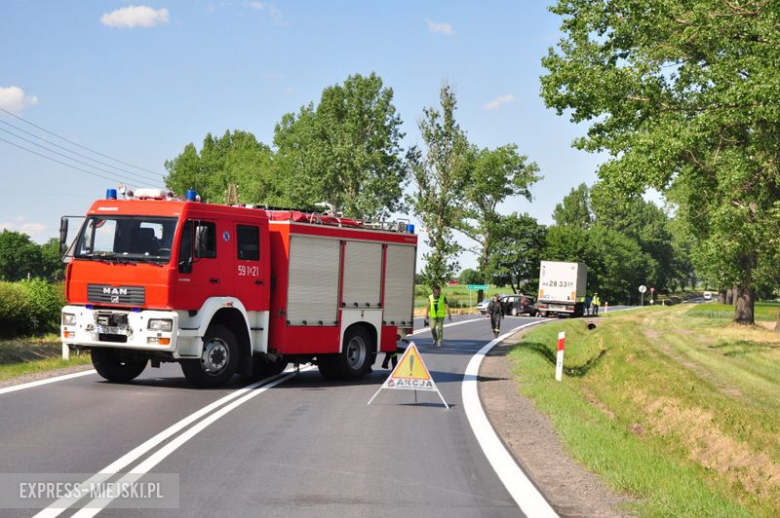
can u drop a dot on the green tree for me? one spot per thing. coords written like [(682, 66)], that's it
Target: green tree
[(346, 151), (470, 276), (616, 263), (496, 175), (574, 210), (645, 223), (684, 96), (440, 176), (52, 267), (235, 158), (518, 244), (19, 257)]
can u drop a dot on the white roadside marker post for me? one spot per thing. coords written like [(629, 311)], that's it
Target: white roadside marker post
[(559, 363)]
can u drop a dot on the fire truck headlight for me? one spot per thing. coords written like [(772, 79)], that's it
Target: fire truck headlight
[(68, 319), (161, 324)]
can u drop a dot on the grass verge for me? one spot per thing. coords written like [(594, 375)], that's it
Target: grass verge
[(764, 311), (29, 355), (675, 409)]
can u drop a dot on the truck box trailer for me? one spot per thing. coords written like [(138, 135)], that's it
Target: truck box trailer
[(562, 288)]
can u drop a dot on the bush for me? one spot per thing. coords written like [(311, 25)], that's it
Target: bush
[(14, 306), (29, 307), (45, 303)]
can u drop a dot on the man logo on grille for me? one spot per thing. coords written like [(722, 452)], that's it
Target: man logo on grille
[(115, 299), (114, 291)]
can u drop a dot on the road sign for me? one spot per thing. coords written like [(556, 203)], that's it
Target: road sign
[(411, 374), (642, 288), (652, 290), (478, 286)]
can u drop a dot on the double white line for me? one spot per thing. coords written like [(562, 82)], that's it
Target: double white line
[(240, 396)]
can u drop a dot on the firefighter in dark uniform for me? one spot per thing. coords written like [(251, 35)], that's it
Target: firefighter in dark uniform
[(495, 312)]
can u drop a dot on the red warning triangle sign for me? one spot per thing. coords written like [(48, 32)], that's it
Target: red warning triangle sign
[(411, 374), (411, 366)]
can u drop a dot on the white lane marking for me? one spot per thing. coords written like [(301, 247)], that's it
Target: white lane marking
[(61, 505), (98, 504), (525, 494), (47, 381)]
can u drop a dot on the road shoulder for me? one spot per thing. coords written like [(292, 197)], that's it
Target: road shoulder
[(531, 439)]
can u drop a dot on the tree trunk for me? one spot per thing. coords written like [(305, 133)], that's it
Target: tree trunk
[(721, 296), (729, 297), (745, 305)]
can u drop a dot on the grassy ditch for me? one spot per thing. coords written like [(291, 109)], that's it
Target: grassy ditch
[(29, 355), (679, 410)]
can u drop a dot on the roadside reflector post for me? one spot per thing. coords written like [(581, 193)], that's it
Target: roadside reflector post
[(606, 307), (65, 352), (559, 363)]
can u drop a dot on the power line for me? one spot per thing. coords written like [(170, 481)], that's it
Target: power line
[(76, 143), (157, 179), (57, 194), (127, 178), (57, 161)]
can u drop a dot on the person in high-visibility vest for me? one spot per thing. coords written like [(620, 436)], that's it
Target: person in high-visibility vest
[(437, 309), (596, 303)]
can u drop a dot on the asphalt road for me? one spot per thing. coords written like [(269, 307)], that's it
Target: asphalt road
[(304, 447)]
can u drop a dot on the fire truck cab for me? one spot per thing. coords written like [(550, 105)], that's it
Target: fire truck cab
[(234, 289)]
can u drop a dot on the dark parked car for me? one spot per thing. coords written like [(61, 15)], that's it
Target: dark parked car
[(519, 305)]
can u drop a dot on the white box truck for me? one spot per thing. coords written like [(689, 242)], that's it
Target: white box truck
[(562, 288)]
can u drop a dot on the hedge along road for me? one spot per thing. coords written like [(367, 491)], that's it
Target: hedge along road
[(306, 447)]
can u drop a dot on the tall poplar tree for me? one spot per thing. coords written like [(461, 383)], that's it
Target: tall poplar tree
[(440, 175), (685, 97)]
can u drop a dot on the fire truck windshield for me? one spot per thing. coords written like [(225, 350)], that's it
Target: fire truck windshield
[(126, 239)]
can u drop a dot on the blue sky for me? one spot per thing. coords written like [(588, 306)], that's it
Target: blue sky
[(137, 81)]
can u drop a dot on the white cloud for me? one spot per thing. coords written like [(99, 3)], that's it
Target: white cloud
[(32, 229), (15, 100), (443, 27), (271, 9), (135, 16), (257, 6), (276, 15), (498, 101)]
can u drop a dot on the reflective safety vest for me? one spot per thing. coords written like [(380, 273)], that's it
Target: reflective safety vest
[(436, 310), (596, 301)]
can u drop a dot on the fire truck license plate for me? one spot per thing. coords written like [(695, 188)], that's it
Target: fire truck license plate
[(112, 330), (557, 307)]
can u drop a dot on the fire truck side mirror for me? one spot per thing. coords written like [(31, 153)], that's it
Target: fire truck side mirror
[(63, 235)]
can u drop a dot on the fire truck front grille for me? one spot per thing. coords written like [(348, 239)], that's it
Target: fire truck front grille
[(128, 295)]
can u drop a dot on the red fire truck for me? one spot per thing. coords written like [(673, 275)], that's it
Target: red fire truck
[(233, 289)]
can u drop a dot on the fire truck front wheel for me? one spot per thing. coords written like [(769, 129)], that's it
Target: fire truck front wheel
[(218, 362), (112, 366)]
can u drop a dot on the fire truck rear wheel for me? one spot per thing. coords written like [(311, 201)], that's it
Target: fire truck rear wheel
[(356, 355), (353, 361), (218, 362), (113, 367)]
